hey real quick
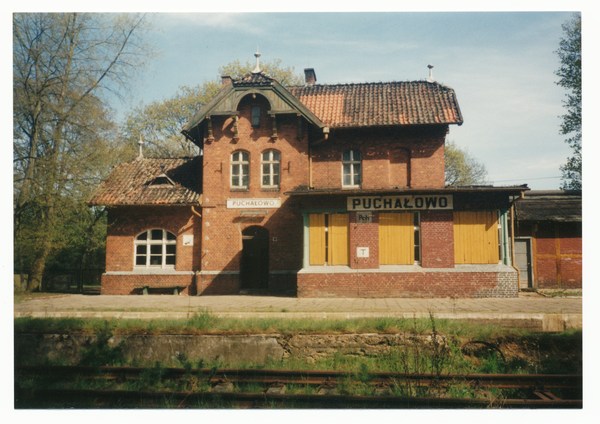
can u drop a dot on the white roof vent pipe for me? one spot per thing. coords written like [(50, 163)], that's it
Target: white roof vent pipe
[(430, 78), (257, 55), (140, 143)]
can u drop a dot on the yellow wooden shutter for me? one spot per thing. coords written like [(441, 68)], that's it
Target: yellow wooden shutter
[(396, 239), (317, 238), (476, 237), (338, 239)]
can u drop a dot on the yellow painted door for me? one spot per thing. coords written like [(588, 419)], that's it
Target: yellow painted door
[(476, 237), (396, 239), (339, 253)]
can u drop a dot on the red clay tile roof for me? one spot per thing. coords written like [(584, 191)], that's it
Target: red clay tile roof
[(129, 183), (384, 103), (254, 79)]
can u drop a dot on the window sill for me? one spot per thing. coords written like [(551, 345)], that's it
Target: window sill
[(239, 190), (153, 270), (270, 189)]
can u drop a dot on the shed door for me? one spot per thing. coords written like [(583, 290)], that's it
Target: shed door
[(523, 262)]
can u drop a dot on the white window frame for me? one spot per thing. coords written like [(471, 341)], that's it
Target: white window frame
[(239, 165), (164, 241), (271, 162), (352, 162)]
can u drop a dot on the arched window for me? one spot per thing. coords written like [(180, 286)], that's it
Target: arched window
[(271, 164), (240, 169), (351, 168), (155, 248)]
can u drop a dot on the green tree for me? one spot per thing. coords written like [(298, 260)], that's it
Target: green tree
[(569, 53), (461, 168), (66, 69), (159, 123)]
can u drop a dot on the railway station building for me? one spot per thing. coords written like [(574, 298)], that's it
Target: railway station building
[(310, 191)]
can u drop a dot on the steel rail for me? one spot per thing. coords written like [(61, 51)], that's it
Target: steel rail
[(268, 376), (26, 398)]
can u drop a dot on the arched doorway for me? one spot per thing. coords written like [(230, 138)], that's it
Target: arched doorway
[(254, 272)]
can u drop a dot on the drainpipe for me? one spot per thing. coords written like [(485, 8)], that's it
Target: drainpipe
[(198, 271), (512, 243), (310, 182)]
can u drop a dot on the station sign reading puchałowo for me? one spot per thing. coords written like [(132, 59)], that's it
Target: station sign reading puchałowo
[(400, 203), (253, 203)]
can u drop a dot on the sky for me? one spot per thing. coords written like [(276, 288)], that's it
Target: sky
[(501, 65)]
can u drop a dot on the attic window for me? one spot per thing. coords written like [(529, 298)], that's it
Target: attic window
[(255, 116), (162, 179)]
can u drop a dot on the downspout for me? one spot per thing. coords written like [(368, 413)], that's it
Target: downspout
[(512, 243), (310, 183), (198, 271)]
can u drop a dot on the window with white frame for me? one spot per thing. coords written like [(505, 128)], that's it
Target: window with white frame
[(351, 168), (271, 160), (155, 248), (240, 169)]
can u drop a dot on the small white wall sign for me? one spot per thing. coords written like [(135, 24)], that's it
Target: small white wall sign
[(362, 252), (253, 203), (188, 239)]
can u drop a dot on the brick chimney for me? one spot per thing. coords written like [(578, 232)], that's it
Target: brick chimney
[(309, 76), (225, 79)]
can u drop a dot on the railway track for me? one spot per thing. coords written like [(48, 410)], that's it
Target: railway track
[(535, 391)]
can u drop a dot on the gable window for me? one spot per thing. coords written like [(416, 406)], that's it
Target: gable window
[(351, 168), (255, 116), (271, 160), (155, 248), (240, 169)]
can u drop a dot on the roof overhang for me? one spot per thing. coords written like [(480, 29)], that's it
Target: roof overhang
[(516, 190)]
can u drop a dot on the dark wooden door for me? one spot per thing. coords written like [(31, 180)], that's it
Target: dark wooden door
[(254, 272)]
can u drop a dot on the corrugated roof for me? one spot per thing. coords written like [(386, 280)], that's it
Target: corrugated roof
[(129, 183), (550, 205), (384, 103)]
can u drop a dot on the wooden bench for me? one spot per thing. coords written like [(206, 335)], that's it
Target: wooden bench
[(145, 288)]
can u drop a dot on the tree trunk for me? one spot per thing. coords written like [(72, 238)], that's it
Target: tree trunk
[(34, 282)]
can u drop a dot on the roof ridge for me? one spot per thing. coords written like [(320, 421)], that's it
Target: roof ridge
[(368, 83)]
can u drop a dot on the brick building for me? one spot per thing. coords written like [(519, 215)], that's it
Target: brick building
[(314, 191), (548, 243)]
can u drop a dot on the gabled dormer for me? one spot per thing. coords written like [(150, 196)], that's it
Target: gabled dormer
[(278, 101)]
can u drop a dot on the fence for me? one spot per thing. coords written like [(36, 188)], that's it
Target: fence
[(82, 280)]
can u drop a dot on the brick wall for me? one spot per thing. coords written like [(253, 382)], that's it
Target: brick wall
[(390, 157), (364, 235), (437, 239), (125, 284), (126, 222), (409, 284), (222, 241)]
